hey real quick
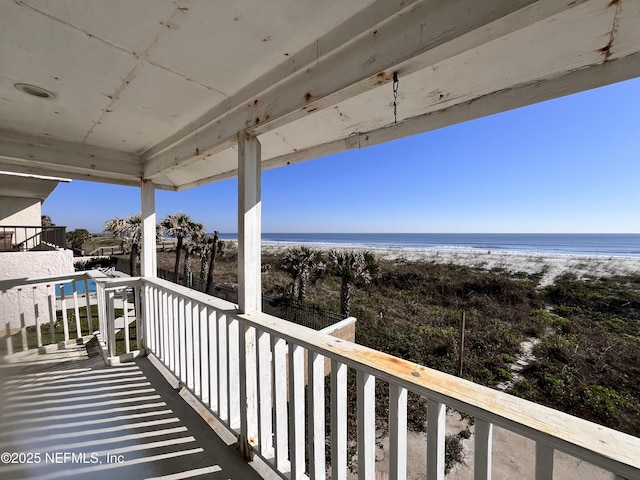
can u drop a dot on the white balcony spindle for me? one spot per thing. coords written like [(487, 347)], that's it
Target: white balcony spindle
[(87, 299), (366, 410), (248, 394), (223, 370), (182, 339), (436, 417), (36, 314), (544, 462), (111, 330), (265, 420), (125, 316), (316, 417), (279, 349), (338, 420), (212, 363), (52, 315), (7, 323), (397, 432), (65, 320), (296, 411), (76, 309), (23, 324), (483, 450), (190, 311), (203, 364), (233, 338)]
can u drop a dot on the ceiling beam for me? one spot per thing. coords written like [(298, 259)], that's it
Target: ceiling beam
[(593, 76), (25, 153), (410, 38)]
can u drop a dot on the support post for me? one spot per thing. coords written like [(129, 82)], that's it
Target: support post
[(149, 255), (249, 281), (249, 224)]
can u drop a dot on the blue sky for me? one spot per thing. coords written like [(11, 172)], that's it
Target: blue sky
[(570, 165)]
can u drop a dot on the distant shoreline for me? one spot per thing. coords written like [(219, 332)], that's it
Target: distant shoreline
[(624, 245), (550, 266)]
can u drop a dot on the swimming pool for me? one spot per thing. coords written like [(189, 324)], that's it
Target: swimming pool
[(68, 287)]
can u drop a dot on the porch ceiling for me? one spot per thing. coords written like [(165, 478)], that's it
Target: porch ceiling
[(159, 89)]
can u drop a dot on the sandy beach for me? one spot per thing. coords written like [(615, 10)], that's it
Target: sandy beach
[(550, 265)]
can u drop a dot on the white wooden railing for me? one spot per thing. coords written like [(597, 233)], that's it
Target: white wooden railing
[(45, 302), (69, 308), (251, 371)]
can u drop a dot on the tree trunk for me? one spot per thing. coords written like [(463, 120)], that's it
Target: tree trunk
[(133, 260), (345, 298), (204, 268), (212, 263), (304, 279), (177, 265), (187, 268)]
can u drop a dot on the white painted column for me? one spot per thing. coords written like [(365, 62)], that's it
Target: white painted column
[(149, 254), (249, 224)]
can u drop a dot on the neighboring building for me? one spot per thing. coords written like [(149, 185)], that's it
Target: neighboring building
[(26, 248)]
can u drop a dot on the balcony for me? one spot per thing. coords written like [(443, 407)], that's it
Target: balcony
[(24, 238), (260, 382)]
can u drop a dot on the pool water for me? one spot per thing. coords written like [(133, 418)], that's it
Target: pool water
[(68, 288)]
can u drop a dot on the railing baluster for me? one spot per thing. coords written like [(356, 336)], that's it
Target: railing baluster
[(125, 317), (63, 304), (154, 324), (23, 324), (223, 370), (366, 410), (197, 370), (87, 298), (247, 376), (5, 317), (265, 420), (296, 410), (338, 420), (212, 328), (50, 304), (397, 432), (436, 417), (204, 355), (316, 416), (76, 309), (279, 349), (182, 335), (169, 320), (111, 330), (544, 461), (233, 339), (190, 311), (483, 450), (36, 314)]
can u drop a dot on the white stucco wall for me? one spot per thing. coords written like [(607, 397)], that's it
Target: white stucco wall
[(29, 265)]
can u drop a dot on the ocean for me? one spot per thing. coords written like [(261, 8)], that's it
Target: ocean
[(545, 243)]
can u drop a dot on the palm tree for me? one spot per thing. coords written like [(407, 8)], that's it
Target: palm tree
[(299, 262), (129, 230), (216, 247), (190, 247), (181, 226), (351, 266)]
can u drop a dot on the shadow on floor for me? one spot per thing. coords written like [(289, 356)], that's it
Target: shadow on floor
[(79, 419)]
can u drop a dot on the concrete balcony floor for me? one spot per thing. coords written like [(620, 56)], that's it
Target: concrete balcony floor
[(65, 415)]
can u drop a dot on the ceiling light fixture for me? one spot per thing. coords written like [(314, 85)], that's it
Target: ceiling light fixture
[(34, 90)]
